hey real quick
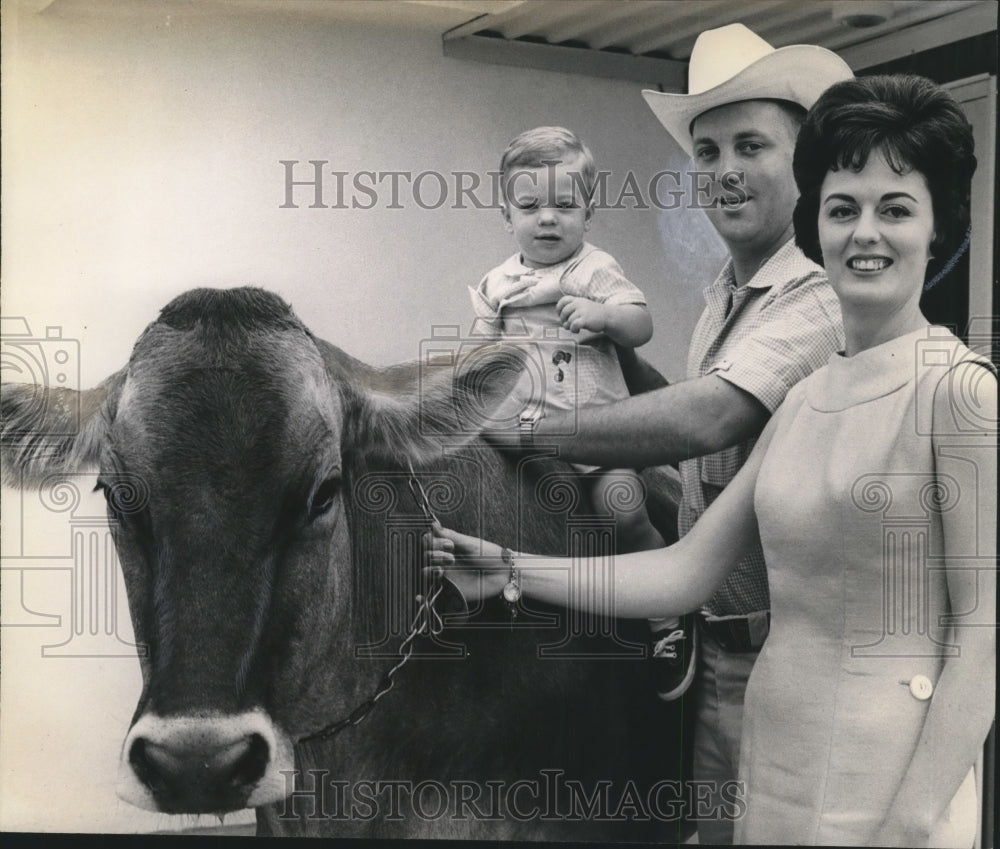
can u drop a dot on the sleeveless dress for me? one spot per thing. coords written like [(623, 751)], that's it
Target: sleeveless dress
[(850, 523)]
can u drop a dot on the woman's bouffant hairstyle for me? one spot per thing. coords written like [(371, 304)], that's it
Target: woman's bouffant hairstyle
[(916, 125)]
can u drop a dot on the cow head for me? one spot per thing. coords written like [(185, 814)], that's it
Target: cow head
[(222, 450)]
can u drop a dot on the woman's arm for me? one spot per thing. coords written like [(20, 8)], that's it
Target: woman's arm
[(657, 583), (962, 705)]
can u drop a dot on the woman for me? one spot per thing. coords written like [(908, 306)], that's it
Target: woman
[(873, 492)]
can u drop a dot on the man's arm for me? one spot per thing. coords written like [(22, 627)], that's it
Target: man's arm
[(679, 421), (704, 415)]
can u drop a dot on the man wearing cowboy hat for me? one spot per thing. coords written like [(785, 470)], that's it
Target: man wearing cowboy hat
[(770, 319)]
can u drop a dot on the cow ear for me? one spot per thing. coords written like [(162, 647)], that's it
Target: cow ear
[(412, 410), (50, 430)]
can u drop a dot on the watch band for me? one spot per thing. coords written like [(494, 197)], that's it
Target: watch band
[(526, 430)]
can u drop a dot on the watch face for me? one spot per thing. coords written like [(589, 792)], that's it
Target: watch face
[(511, 593)]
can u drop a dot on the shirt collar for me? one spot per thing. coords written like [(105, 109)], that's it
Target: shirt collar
[(787, 263)]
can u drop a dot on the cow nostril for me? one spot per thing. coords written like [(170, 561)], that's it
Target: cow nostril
[(248, 764), (153, 765), (173, 774)]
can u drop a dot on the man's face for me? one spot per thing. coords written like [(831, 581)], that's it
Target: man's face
[(755, 139)]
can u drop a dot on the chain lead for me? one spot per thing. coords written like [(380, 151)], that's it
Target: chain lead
[(426, 621)]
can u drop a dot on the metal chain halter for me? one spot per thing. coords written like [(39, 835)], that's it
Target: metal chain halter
[(426, 621)]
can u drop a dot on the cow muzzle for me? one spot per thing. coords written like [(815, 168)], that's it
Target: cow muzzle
[(204, 763)]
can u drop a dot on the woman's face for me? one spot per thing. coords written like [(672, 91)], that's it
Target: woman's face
[(875, 231)]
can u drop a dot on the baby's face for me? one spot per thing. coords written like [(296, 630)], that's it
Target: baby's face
[(547, 212)]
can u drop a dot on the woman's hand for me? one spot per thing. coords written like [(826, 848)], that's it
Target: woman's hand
[(473, 565)]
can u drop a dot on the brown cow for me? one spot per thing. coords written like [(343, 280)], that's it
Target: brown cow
[(256, 486)]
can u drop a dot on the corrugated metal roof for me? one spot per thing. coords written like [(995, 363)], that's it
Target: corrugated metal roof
[(640, 36)]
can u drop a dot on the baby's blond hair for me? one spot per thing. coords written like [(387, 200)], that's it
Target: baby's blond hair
[(543, 145)]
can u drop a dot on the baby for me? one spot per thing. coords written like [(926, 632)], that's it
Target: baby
[(569, 300)]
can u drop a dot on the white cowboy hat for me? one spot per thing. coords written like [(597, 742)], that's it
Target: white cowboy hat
[(732, 63)]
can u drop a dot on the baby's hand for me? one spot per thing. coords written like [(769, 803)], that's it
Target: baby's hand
[(578, 314)]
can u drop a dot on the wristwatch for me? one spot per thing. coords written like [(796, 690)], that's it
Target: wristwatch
[(512, 589)]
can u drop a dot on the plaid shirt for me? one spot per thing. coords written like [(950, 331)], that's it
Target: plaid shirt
[(763, 337)]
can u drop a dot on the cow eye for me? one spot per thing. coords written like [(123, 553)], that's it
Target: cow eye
[(103, 487), (323, 497), (125, 496)]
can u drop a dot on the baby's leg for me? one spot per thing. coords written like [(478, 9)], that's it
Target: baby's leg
[(620, 493), (673, 641)]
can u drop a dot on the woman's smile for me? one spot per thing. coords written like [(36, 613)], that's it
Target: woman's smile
[(868, 264)]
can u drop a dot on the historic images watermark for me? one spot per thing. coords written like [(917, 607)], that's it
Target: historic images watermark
[(387, 501), (493, 383), (54, 535), (314, 185), (80, 551), (906, 508), (548, 797)]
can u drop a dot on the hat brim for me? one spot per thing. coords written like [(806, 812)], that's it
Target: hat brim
[(799, 73)]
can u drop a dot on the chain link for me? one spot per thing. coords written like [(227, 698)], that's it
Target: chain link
[(426, 621)]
